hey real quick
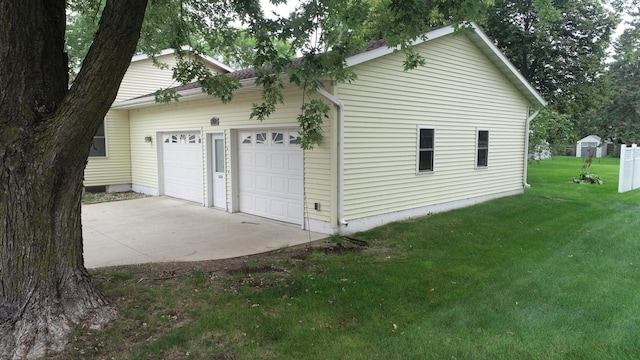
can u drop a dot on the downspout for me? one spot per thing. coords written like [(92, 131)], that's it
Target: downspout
[(340, 129), (526, 148)]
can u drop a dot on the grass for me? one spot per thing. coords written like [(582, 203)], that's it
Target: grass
[(551, 274)]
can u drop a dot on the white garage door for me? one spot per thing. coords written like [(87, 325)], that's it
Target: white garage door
[(270, 174), (182, 165)]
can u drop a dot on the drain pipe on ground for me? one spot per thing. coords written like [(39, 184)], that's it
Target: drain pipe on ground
[(526, 148), (340, 125)]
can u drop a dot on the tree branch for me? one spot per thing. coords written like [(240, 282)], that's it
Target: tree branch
[(96, 86)]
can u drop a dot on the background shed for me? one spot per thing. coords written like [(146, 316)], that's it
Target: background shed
[(590, 145)]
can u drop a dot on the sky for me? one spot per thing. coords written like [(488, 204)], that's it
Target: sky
[(622, 26), (282, 9)]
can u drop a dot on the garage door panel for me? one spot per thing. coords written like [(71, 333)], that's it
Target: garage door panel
[(295, 163), (294, 208), (262, 183), (260, 204), (261, 161), (279, 185), (246, 202), (246, 182), (295, 187), (183, 192), (278, 208), (278, 162), (270, 175), (246, 162)]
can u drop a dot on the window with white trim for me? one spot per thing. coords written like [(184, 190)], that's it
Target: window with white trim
[(277, 138), (426, 142), (99, 144), (247, 138), (261, 138), (482, 145)]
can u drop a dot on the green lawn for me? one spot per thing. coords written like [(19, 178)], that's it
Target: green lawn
[(551, 274)]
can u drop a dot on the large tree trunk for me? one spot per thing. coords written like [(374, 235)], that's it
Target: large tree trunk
[(46, 129)]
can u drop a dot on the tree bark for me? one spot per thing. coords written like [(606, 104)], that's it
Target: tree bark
[(46, 129)]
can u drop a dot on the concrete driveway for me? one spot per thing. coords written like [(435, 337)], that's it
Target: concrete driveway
[(162, 229)]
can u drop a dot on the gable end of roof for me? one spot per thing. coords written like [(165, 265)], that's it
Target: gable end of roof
[(480, 40)]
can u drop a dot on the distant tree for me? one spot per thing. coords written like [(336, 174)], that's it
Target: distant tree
[(550, 131), (620, 119), (242, 55), (558, 45), (163, 28)]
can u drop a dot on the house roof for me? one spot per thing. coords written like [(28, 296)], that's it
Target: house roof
[(378, 48), (591, 138)]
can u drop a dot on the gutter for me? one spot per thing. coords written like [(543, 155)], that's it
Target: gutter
[(340, 126), (526, 148)]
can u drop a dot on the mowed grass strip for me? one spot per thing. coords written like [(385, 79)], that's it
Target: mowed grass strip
[(550, 274)]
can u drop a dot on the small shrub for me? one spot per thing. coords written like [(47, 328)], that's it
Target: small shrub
[(585, 176)]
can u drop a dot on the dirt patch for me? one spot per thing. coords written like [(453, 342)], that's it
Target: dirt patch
[(252, 264)]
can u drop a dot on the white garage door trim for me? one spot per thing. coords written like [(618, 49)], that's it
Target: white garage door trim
[(270, 174), (181, 164)]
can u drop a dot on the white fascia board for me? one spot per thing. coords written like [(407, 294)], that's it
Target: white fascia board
[(384, 50), (141, 57), (211, 60), (512, 69), (207, 58), (217, 63)]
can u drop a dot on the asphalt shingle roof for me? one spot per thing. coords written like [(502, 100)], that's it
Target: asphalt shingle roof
[(250, 73)]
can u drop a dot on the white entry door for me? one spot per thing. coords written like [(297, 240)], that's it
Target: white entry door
[(270, 174), (219, 182), (182, 165)]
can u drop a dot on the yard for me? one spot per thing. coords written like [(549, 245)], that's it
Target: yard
[(551, 274)]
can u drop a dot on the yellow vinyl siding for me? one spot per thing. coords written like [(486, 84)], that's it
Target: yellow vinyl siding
[(115, 168), (196, 115), (457, 92), (143, 78), (318, 181)]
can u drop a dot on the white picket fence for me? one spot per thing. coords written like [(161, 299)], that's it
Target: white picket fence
[(629, 168)]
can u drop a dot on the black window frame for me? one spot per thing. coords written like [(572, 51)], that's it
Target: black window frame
[(426, 150), (482, 148), (100, 138)]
